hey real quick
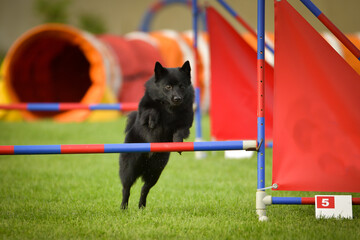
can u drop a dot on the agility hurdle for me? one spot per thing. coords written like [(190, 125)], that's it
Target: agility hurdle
[(262, 199), (55, 107), (248, 145)]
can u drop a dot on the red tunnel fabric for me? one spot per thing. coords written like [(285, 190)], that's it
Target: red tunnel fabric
[(316, 110), (135, 73), (233, 83)]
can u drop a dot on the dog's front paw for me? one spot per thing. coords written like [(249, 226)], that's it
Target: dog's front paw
[(149, 118), (123, 206), (153, 119)]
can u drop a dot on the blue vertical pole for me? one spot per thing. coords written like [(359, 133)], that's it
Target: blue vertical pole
[(197, 88), (261, 94)]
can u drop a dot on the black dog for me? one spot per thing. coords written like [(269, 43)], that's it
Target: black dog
[(165, 114)]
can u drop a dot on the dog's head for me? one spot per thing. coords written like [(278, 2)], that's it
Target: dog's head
[(173, 84)]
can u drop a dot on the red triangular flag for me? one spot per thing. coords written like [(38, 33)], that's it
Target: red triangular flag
[(316, 110), (234, 83)]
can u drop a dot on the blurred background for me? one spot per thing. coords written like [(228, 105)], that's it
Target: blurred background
[(110, 60), (123, 16)]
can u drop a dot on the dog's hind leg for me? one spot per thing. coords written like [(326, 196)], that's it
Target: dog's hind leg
[(128, 178), (125, 199), (144, 192), (126, 191), (157, 164)]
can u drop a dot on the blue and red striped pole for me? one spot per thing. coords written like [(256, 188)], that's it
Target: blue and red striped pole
[(260, 194), (302, 200), (242, 22), (249, 145), (69, 106), (261, 94), (342, 38)]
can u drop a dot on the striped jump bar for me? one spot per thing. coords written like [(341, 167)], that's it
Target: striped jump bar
[(128, 147), (302, 200), (69, 106)]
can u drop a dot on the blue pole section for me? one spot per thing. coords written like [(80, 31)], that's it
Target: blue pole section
[(218, 146), (197, 89), (37, 149), (109, 106), (261, 30), (228, 8), (261, 95), (146, 21), (261, 154), (130, 147), (43, 106), (312, 7), (286, 200)]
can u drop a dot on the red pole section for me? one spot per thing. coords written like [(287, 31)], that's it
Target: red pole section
[(342, 38)]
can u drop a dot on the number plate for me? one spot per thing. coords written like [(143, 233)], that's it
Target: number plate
[(328, 206)]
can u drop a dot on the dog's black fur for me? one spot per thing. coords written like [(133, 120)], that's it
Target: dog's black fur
[(165, 114)]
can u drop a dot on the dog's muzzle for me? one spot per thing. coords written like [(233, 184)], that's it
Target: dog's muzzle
[(176, 100)]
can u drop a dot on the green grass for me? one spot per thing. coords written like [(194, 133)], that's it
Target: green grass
[(78, 196)]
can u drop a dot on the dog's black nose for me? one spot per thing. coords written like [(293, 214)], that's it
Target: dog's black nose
[(176, 99)]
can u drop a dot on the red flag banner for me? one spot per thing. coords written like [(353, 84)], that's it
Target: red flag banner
[(233, 83), (316, 110)]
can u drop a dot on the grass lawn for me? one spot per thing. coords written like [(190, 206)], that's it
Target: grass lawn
[(78, 196)]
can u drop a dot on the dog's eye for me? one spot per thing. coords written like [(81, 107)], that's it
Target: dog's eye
[(182, 87), (168, 87)]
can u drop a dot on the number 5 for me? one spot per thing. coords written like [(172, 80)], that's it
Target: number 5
[(325, 202)]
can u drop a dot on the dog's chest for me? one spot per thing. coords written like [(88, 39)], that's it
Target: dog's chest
[(172, 119), (168, 124)]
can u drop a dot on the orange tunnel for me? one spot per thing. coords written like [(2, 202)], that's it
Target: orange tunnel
[(57, 63)]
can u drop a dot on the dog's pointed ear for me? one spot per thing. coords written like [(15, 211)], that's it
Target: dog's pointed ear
[(186, 68), (160, 71)]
